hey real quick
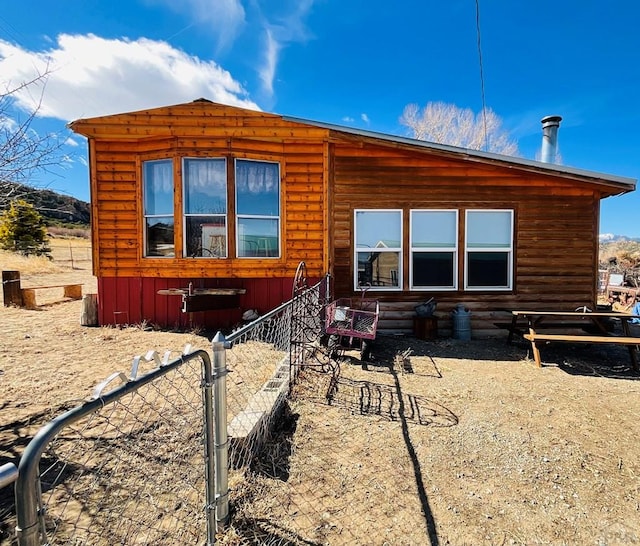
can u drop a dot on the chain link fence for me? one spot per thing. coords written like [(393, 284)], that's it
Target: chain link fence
[(326, 452)]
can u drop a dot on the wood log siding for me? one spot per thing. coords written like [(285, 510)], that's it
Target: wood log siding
[(326, 174), (120, 143), (555, 228)]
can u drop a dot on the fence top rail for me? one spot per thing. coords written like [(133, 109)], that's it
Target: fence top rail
[(8, 474)]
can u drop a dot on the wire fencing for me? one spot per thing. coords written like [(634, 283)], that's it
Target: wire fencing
[(126, 467), (324, 454), (142, 463), (73, 254)]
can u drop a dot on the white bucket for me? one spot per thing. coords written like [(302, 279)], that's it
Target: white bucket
[(340, 313)]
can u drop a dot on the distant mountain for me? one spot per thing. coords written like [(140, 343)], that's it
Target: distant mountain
[(611, 238), (54, 207)]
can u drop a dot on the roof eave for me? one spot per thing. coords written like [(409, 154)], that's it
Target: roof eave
[(620, 184)]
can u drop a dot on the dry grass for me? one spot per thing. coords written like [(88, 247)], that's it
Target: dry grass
[(32, 265), (472, 444)]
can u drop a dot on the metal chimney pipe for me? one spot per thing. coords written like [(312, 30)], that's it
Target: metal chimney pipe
[(550, 126)]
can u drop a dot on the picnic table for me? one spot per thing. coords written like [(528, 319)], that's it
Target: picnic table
[(539, 324)]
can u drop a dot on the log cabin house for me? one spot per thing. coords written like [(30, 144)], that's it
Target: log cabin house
[(228, 201)]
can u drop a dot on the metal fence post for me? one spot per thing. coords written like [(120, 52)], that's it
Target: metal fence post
[(27, 488), (221, 493)]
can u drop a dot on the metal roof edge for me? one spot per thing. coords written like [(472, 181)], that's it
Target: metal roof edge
[(551, 168)]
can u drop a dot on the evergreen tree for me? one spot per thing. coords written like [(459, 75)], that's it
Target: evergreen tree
[(22, 229)]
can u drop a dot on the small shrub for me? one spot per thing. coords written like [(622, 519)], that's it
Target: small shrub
[(23, 230)]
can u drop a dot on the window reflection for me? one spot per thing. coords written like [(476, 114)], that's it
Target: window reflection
[(205, 207), (158, 208), (257, 209)]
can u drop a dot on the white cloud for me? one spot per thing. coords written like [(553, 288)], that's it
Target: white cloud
[(268, 69), (365, 118), (71, 142), (348, 119), (280, 32), (224, 18), (92, 76)]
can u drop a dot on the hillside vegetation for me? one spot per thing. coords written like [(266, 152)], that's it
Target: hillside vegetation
[(57, 209)]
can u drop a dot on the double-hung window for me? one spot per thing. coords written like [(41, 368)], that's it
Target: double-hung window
[(434, 250), (204, 184), (378, 237), (257, 186), (489, 250), (157, 196)]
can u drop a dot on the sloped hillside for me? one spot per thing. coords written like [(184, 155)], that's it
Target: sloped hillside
[(625, 252), (56, 208)]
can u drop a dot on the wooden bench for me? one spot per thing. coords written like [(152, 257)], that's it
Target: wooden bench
[(534, 319), (631, 342), (72, 291)]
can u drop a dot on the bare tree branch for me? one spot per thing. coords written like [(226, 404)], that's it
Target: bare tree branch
[(24, 152), (444, 123)]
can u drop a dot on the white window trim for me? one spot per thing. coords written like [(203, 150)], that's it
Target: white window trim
[(397, 250), (508, 250), (453, 249), (255, 216), (186, 215)]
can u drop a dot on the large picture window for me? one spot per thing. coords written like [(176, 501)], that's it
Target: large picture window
[(205, 207), (489, 250), (257, 185), (434, 250), (158, 208), (378, 242)]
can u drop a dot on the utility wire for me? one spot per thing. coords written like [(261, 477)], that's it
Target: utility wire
[(484, 105)]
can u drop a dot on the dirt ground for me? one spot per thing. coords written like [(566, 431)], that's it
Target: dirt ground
[(472, 444)]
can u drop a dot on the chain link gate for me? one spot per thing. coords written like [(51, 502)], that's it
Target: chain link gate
[(126, 467)]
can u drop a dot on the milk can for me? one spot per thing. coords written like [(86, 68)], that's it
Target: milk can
[(461, 318)]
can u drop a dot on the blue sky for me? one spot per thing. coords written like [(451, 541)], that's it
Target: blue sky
[(350, 62)]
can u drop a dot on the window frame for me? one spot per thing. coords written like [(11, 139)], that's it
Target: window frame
[(395, 250), (143, 187), (488, 249), (425, 250), (237, 217), (186, 215)]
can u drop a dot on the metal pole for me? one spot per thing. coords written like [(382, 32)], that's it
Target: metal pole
[(220, 345), (209, 442)]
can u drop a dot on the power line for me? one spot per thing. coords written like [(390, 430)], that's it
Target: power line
[(484, 105), (7, 28)]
